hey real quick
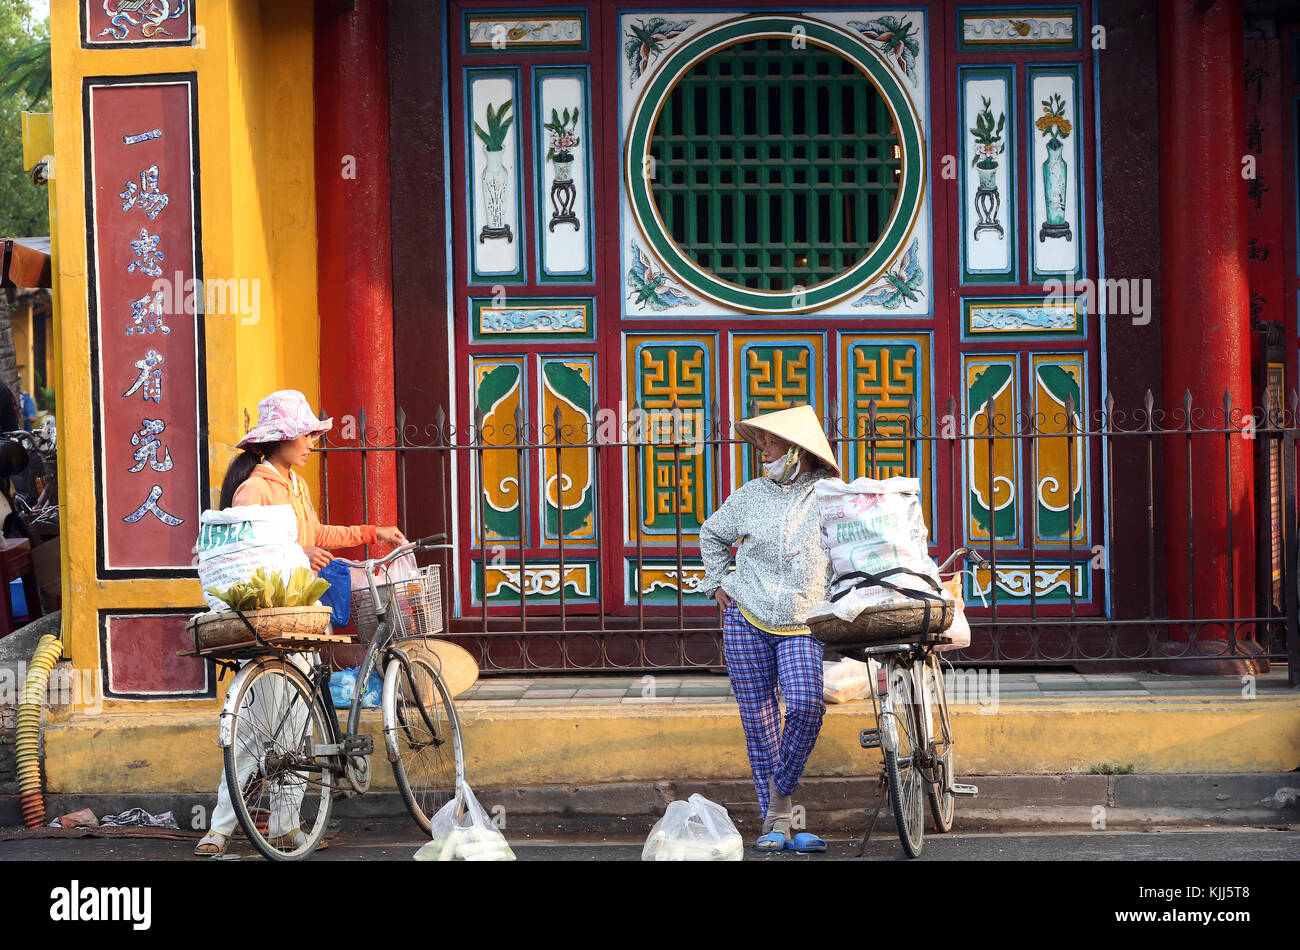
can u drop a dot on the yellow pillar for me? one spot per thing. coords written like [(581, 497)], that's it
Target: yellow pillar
[(253, 63)]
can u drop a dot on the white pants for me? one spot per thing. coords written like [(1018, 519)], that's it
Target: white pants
[(268, 693)]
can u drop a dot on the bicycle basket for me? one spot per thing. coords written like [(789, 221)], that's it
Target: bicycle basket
[(418, 606)]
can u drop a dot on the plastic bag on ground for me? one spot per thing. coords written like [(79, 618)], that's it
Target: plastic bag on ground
[(694, 830), (848, 680), (467, 836)]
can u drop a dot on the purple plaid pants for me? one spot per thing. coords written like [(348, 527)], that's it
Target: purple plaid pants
[(756, 662)]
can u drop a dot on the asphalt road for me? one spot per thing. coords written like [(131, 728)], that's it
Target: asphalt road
[(1215, 844)]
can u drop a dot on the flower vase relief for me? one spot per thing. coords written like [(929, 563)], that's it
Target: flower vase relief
[(988, 146), (562, 131), (1053, 124), (496, 177)]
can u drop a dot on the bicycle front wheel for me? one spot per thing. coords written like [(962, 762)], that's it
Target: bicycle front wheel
[(906, 784), (935, 709), (422, 733), (281, 794)]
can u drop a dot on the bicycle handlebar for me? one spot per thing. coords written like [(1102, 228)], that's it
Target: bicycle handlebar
[(423, 544)]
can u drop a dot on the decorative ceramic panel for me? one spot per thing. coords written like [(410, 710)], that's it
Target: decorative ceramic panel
[(497, 389), (890, 371), (532, 319), (993, 468), (1017, 28), (771, 372), (988, 208), (138, 651), (562, 157), (541, 581), (1060, 465), (1056, 237), (1023, 318), (146, 322), (659, 580), (775, 164), (568, 482), (1052, 582), (495, 163), (136, 24), (670, 379), (557, 31)]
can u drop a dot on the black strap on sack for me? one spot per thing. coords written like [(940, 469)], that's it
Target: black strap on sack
[(867, 579)]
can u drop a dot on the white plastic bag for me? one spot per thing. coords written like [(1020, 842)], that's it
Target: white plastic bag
[(875, 526), (959, 632), (234, 542), (694, 830), (467, 836), (848, 680)]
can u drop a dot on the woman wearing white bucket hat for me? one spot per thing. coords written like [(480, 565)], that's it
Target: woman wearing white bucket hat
[(262, 474), (781, 572)]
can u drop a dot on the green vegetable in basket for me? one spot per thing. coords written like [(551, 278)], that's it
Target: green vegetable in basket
[(260, 591)]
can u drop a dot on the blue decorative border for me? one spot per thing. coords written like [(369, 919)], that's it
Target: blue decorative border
[(974, 443), (966, 304), (588, 218), (964, 46), (710, 473), (476, 518), (833, 312), (1085, 544), (549, 538), (1080, 237), (530, 49), (517, 276), (479, 335), (1010, 202)]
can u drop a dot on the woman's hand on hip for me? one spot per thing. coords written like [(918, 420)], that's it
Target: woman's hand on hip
[(390, 535), (723, 599), (318, 557)]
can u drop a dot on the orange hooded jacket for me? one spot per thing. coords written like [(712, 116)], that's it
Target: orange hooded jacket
[(266, 486)]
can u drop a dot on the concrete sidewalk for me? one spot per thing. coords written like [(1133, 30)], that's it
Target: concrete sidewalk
[(587, 731)]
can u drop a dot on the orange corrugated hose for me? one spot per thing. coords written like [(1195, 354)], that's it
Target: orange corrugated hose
[(27, 748)]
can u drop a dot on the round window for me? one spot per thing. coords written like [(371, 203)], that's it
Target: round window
[(775, 164)]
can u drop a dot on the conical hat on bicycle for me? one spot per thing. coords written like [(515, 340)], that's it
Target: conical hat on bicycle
[(457, 666), (798, 426)]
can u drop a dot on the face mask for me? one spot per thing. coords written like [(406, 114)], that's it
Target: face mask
[(782, 470)]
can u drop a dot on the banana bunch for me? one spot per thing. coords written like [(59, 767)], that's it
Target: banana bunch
[(262, 591)]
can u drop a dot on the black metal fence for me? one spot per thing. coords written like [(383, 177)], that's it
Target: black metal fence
[(1148, 515)]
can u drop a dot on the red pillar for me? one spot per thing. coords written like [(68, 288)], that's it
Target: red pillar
[(353, 256), (1205, 307)]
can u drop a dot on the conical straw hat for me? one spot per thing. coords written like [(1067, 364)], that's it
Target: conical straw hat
[(799, 426), (457, 666)]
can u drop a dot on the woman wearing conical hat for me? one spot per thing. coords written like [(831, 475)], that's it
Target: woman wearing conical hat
[(781, 572)]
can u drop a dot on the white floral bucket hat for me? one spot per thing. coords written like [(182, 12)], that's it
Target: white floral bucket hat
[(282, 416)]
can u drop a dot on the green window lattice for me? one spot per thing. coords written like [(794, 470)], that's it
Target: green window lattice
[(773, 166)]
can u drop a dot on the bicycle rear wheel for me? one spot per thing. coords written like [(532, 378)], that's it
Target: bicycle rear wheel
[(422, 734), (935, 708), (900, 728), (281, 796)]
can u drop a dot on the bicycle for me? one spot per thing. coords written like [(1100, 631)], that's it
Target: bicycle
[(917, 758), (282, 737)]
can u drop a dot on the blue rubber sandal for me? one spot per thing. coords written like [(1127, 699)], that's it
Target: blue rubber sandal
[(805, 842)]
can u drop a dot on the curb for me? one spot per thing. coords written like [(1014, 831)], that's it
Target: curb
[(1045, 802)]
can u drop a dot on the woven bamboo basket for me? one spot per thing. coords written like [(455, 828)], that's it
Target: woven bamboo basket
[(889, 624), (213, 630)]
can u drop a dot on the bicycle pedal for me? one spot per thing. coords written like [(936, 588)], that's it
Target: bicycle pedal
[(358, 745), (869, 738), (968, 791)]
